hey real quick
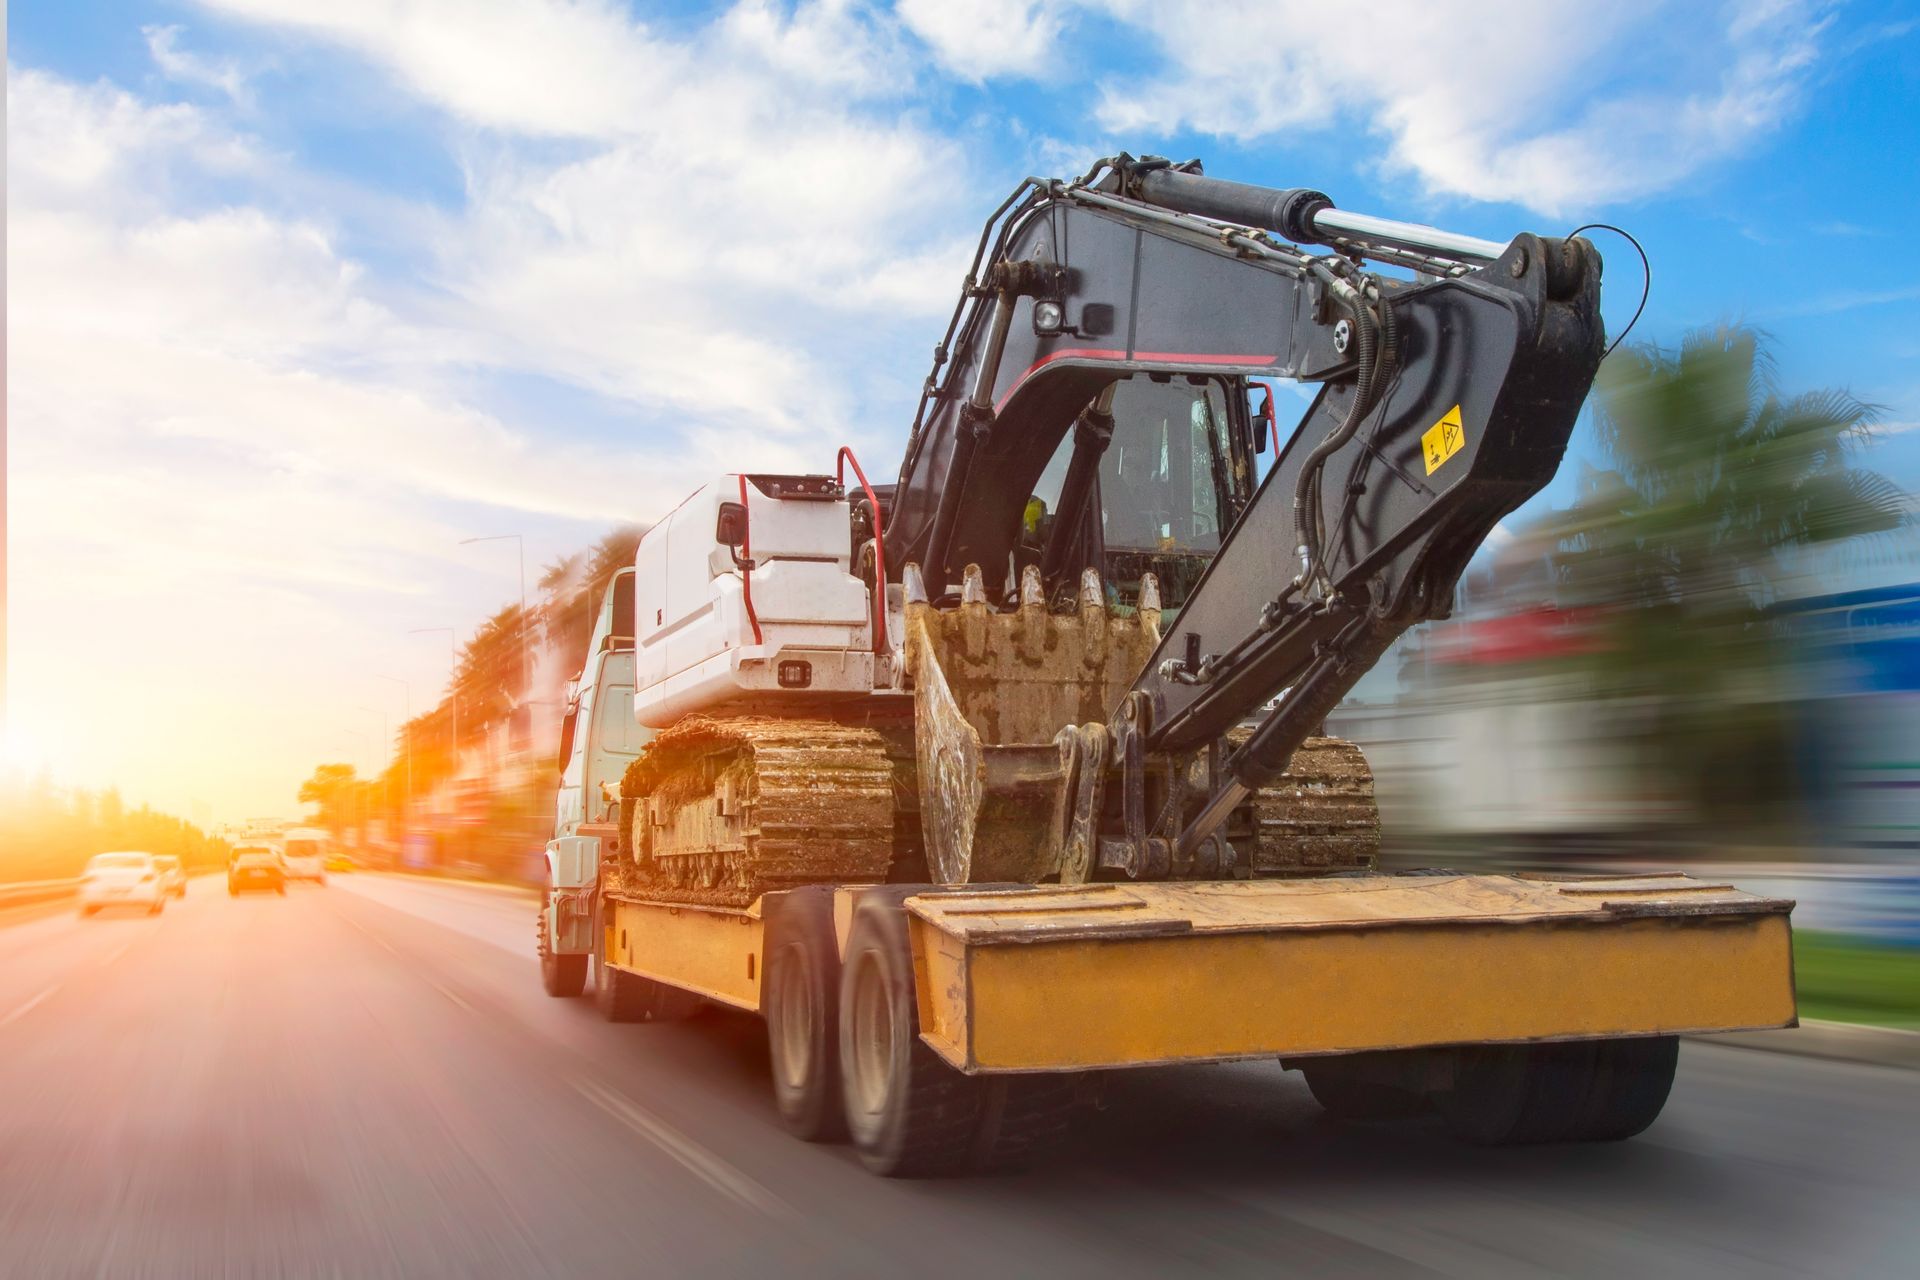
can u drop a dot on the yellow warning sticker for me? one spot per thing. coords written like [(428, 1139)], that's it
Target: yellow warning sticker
[(1443, 439)]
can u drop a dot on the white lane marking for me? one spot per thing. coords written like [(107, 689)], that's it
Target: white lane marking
[(22, 1009), (700, 1162), (449, 995)]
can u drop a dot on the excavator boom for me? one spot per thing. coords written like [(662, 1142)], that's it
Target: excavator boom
[(1445, 401)]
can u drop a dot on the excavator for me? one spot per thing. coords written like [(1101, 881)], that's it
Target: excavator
[(1012, 773)]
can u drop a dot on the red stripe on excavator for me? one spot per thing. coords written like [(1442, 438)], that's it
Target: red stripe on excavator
[(1108, 353), (1065, 353)]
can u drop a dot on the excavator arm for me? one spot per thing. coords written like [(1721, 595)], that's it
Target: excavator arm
[(1446, 400)]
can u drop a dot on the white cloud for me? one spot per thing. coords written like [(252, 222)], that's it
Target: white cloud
[(1554, 104), (163, 45), (985, 38)]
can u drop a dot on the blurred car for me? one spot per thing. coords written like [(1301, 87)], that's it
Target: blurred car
[(303, 851), (173, 877), (123, 879), (257, 868), (337, 861)]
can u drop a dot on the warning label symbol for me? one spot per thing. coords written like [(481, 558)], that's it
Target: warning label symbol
[(1443, 439)]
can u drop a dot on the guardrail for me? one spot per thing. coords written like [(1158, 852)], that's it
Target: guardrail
[(23, 892)]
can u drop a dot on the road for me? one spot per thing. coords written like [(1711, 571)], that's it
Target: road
[(365, 1080)]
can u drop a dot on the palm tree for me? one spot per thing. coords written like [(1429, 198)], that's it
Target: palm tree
[(1723, 490)]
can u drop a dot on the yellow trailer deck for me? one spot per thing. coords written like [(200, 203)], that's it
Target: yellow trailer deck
[(1051, 979)]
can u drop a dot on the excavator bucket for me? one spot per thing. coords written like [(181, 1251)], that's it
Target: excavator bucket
[(1009, 712)]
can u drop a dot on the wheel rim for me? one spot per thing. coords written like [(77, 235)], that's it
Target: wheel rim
[(872, 1038), (793, 997)]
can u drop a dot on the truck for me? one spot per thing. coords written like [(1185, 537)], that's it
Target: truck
[(1011, 773)]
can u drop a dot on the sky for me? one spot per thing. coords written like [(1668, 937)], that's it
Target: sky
[(301, 295)]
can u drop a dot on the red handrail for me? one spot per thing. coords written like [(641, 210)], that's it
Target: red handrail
[(746, 570)]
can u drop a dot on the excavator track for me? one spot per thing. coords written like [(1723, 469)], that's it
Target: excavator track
[(1318, 816), (723, 810)]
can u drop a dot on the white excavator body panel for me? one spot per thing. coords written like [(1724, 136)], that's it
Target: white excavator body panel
[(710, 631)]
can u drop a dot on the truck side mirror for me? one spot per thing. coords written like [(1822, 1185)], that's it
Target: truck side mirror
[(730, 529), (567, 726)]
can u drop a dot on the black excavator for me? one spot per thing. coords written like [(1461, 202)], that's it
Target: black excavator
[(1026, 777)]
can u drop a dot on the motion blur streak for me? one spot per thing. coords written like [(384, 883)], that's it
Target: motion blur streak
[(274, 1086), (1713, 653)]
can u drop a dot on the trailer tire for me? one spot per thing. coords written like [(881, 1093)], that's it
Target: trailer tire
[(562, 977), (910, 1115), (1579, 1091), (803, 1013), (1347, 1095), (1630, 1085), (628, 997), (1023, 1121)]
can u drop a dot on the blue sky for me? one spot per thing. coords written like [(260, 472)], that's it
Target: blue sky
[(300, 295)]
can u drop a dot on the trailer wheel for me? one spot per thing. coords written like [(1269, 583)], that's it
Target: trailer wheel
[(803, 1013), (1346, 1094), (910, 1114), (628, 997), (562, 977), (1581, 1091)]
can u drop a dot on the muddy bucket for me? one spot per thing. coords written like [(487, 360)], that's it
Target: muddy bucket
[(1009, 708)]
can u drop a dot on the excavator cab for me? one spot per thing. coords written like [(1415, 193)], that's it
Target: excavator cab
[(1168, 482)]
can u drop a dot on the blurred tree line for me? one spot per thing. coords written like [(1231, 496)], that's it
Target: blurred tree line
[(502, 780), (1723, 493), (49, 832)]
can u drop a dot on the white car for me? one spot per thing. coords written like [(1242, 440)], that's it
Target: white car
[(122, 880), (305, 854)]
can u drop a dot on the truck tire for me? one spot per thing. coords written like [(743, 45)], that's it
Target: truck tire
[(910, 1115), (1579, 1091), (1347, 1094), (803, 1013), (562, 977), (628, 997)]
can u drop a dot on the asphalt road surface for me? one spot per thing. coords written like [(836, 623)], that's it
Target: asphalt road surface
[(366, 1080)]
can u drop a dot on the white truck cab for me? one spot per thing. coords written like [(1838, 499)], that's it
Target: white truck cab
[(598, 739)]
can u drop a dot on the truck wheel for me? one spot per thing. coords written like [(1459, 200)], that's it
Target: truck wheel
[(1023, 1120), (803, 1013), (910, 1114), (562, 977), (1581, 1091), (628, 997), (1348, 1095), (1631, 1081)]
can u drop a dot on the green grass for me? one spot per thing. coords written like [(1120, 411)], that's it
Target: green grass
[(1845, 980)]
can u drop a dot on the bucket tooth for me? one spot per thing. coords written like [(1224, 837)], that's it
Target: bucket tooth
[(1030, 624), (1093, 591), (973, 587), (1033, 592), (1150, 603), (913, 585)]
